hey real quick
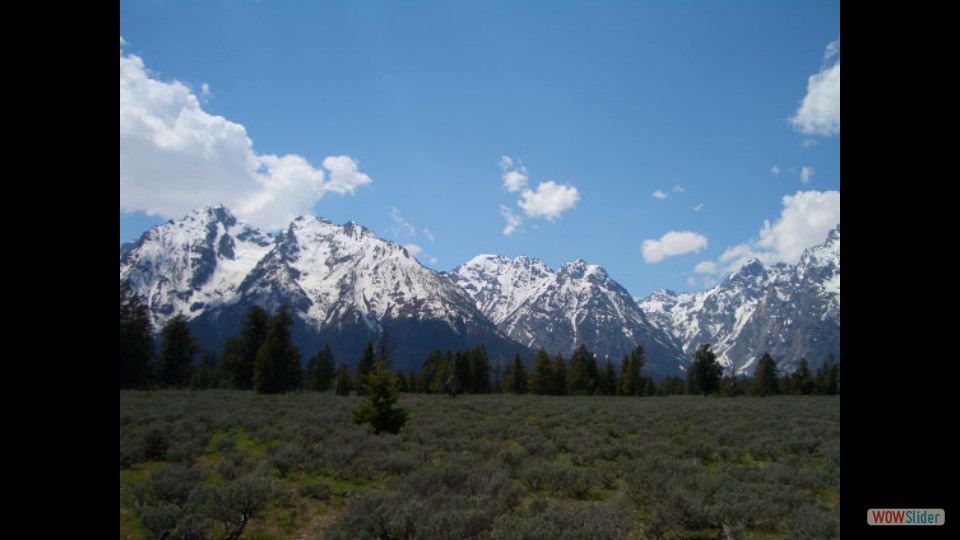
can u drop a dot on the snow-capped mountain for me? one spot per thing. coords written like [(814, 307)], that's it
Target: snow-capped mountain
[(343, 283), (559, 310), (790, 311)]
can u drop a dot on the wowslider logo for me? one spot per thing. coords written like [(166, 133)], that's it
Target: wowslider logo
[(904, 516)]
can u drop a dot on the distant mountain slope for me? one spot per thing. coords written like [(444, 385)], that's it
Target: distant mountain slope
[(344, 284), (579, 303), (790, 311)]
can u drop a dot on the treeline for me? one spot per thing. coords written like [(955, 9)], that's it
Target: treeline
[(263, 358)]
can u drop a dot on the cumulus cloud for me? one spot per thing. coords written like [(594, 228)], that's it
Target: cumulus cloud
[(660, 194), (671, 244), (706, 267), (819, 112), (806, 174), (513, 220), (174, 157), (775, 170), (515, 175), (549, 200), (414, 249), (805, 220)]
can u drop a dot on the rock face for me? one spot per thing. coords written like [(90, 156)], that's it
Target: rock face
[(790, 311), (345, 285), (559, 310)]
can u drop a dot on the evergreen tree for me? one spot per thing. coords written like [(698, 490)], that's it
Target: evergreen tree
[(401, 379), (177, 349), (558, 376), (731, 386), (378, 409), (515, 380), (607, 380), (136, 340), (765, 381), (343, 384), (278, 360), (479, 370), (433, 363), (240, 353), (826, 378), (801, 380), (412, 385), (461, 373), (540, 374), (704, 373), (649, 387), (365, 366), (207, 374), (631, 381), (320, 370), (670, 386), (582, 374)]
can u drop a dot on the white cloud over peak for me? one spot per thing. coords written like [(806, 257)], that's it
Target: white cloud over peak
[(401, 227), (805, 220), (414, 249), (174, 157), (660, 194), (549, 200), (705, 267), (513, 220), (819, 112), (806, 174), (671, 244), (515, 175)]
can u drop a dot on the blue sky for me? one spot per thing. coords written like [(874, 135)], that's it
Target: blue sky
[(666, 141)]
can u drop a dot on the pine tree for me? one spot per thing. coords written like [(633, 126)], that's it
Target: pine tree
[(670, 386), (207, 373), (378, 409), (515, 378), (539, 380), (631, 381), (479, 370), (558, 376), (826, 378), (412, 382), (765, 381), (433, 363), (320, 370), (177, 349), (278, 360), (704, 373), (401, 379), (582, 374), (801, 380), (343, 384), (365, 366), (240, 353), (649, 387), (607, 380), (136, 340)]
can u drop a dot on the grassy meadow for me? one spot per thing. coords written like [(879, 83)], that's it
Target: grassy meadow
[(490, 466)]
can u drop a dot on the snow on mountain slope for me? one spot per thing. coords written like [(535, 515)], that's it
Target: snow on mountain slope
[(559, 310), (791, 311), (184, 266), (345, 286)]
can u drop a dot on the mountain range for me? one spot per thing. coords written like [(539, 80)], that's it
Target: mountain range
[(347, 286)]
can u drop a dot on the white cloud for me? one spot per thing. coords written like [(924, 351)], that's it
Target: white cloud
[(174, 157), (679, 189), (833, 49), (819, 112), (428, 233), (698, 207), (804, 221), (659, 194), (414, 249), (809, 143), (402, 227), (433, 260), (513, 220), (806, 174), (515, 175), (705, 267), (549, 200), (671, 244), (122, 41), (775, 170)]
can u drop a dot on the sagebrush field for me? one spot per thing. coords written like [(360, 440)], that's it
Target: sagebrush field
[(491, 466)]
